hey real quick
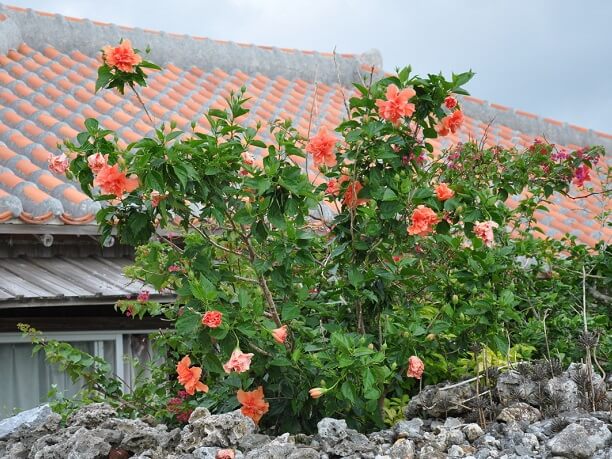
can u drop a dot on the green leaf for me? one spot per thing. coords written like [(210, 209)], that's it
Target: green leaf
[(189, 323), (348, 391), (389, 195), (290, 312), (204, 290)]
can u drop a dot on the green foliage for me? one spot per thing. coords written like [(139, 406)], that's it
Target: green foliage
[(359, 294)]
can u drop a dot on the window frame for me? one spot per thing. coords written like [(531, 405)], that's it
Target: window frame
[(98, 337)]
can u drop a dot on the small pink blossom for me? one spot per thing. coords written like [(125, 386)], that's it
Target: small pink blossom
[(581, 175), (560, 155), (280, 334), (238, 362), (416, 367), (156, 198), (97, 161), (484, 230), (174, 268), (225, 454), (212, 319), (143, 296), (58, 163), (333, 187), (450, 102)]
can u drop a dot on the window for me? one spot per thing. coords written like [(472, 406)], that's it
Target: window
[(25, 379)]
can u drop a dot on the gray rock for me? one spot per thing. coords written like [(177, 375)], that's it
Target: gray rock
[(581, 439), (253, 441), (149, 438), (455, 437), (488, 441), (382, 437), (409, 429), (402, 449), (519, 412), (336, 439), (111, 436), (199, 413), (456, 451), (473, 431), (29, 419), (453, 423), (512, 387), (436, 403), (17, 451), (486, 453), (528, 446), (81, 444), (430, 452), (91, 415), (223, 430), (566, 392), (304, 453), (282, 446)]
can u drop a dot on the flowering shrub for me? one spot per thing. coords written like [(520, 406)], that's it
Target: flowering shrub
[(292, 315)]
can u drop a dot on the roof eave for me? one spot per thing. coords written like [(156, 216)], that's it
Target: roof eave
[(33, 302)]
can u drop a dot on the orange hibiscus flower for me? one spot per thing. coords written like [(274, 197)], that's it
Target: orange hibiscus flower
[(112, 181), (396, 106), (450, 123), (122, 57), (253, 403), (351, 194), (443, 192), (190, 377), (423, 221), (416, 367), (321, 147)]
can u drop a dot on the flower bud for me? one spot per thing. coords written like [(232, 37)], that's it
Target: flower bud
[(317, 392)]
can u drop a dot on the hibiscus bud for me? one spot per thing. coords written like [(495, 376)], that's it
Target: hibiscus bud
[(455, 299), (280, 334), (371, 346), (317, 392)]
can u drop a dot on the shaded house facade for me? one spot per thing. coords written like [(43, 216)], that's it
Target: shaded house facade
[(54, 273)]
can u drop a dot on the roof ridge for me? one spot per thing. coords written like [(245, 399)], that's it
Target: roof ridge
[(39, 29), (554, 131)]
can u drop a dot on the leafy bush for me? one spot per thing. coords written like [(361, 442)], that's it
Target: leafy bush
[(318, 289)]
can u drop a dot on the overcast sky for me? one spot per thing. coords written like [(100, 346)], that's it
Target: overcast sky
[(549, 57)]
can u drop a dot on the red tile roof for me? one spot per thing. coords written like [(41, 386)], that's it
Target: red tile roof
[(47, 92)]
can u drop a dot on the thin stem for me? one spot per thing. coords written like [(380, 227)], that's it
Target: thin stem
[(260, 278), (213, 243), (142, 103)]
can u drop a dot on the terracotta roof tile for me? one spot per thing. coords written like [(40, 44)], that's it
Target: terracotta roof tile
[(47, 92)]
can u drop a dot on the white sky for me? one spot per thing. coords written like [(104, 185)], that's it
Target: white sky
[(549, 57)]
